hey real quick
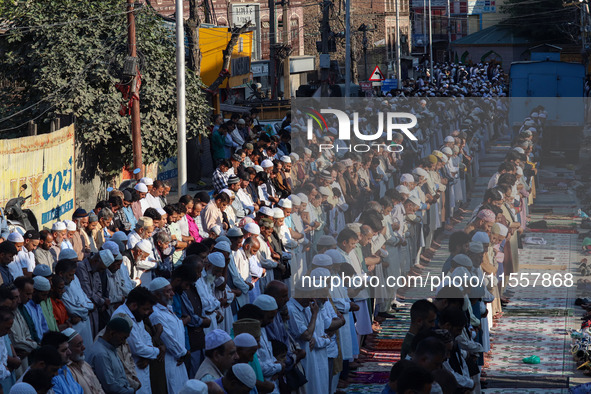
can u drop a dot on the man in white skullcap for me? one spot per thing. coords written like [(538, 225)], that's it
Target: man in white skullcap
[(59, 233), (220, 355), (140, 206), (194, 386), (24, 261), (153, 196), (173, 334), (269, 365), (211, 306), (250, 248), (81, 370), (246, 347), (40, 293), (223, 248), (240, 379)]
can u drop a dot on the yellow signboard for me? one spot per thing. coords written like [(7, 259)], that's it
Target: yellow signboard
[(45, 163)]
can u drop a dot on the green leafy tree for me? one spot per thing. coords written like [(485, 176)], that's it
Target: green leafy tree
[(61, 57)]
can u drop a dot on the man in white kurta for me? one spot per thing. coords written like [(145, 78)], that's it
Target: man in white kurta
[(78, 304), (140, 341), (173, 335), (269, 364)]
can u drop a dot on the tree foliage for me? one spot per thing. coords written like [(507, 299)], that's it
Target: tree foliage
[(59, 53)]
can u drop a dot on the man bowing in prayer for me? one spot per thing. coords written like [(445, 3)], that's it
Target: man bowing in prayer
[(173, 334)]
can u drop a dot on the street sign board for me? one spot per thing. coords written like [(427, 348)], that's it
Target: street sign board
[(365, 86), (389, 84), (377, 75)]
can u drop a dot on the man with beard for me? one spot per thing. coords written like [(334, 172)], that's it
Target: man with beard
[(58, 288), (236, 281), (173, 334), (22, 333), (41, 287), (42, 253), (80, 240), (139, 306), (220, 355), (59, 233), (64, 382), (81, 370)]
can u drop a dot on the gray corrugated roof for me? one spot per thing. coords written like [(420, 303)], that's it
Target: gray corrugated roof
[(497, 34)]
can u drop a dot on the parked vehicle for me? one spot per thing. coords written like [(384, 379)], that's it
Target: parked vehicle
[(15, 218)]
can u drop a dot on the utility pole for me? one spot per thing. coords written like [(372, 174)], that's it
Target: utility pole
[(180, 96), (272, 42), (424, 27), (325, 57), (136, 134), (449, 59), (286, 66), (364, 29), (398, 66), (430, 43), (347, 48)]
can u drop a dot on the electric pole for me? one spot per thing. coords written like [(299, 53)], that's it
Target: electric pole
[(424, 27), (136, 134), (272, 42), (449, 59), (286, 70), (347, 48), (325, 57), (180, 96), (430, 43), (398, 66)]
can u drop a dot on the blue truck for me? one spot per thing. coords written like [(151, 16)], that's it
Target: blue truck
[(560, 88)]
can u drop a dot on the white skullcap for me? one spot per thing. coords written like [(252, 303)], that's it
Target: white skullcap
[(447, 150), (245, 340), (295, 156), (140, 187), (144, 245), (258, 168), (463, 260), (161, 211), (107, 257), (252, 228), (58, 226), (70, 225), (420, 172), (519, 150), (322, 260), (217, 259), (336, 256), (303, 198), (194, 386), (519, 171), (266, 303), (23, 388), (481, 236), (406, 178), (286, 159), (295, 200), (476, 247), (285, 203), (41, 284), (278, 213), (449, 139), (217, 229), (325, 191), (443, 158), (307, 151), (245, 374), (223, 246), (147, 181), (216, 338), (266, 211), (267, 163), (229, 192), (415, 200), (402, 189), (500, 229), (157, 284), (68, 254), (70, 333), (15, 237)]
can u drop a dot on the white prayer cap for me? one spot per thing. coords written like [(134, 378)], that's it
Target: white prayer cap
[(500, 229), (295, 156), (222, 238), (463, 260), (147, 181), (519, 150), (278, 213), (336, 256), (266, 211), (449, 139), (141, 187), (157, 284), (223, 246), (266, 303), (267, 163), (245, 374), (325, 191), (15, 237), (420, 172), (70, 333), (322, 260), (285, 203), (258, 168), (161, 211), (407, 178), (119, 236), (234, 232), (229, 192), (58, 226), (252, 228), (295, 200), (415, 200), (41, 284), (217, 259), (245, 340), (476, 247), (216, 338), (23, 388), (303, 198), (519, 171), (447, 150), (107, 257), (402, 189), (481, 236), (217, 229), (194, 386), (70, 225), (68, 254), (144, 245), (145, 221), (307, 151), (286, 159)]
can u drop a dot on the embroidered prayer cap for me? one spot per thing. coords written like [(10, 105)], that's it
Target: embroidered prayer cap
[(245, 374), (449, 139), (486, 215), (245, 340), (447, 150), (286, 159), (267, 163), (216, 338), (303, 198)]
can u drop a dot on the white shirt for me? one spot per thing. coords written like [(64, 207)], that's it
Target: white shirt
[(76, 301), (4, 372), (153, 202), (246, 201), (242, 264)]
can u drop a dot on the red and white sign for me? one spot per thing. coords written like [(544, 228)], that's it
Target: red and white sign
[(376, 75)]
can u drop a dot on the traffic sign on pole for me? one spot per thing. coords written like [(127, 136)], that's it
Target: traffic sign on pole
[(376, 75)]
